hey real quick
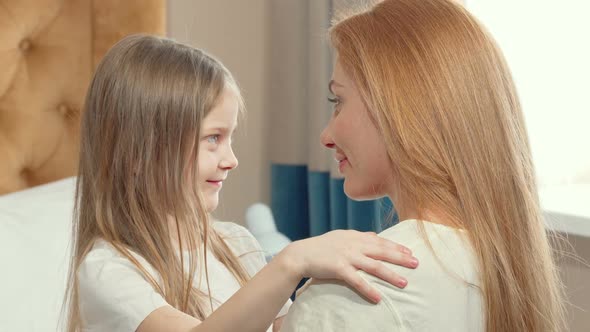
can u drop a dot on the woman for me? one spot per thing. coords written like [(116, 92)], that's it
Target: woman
[(426, 113)]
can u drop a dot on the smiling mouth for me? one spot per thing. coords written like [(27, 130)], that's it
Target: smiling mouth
[(217, 183), (342, 162), (340, 157)]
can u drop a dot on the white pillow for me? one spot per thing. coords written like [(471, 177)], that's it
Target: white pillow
[(35, 229)]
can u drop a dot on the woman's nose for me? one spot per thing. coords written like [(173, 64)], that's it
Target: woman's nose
[(326, 138)]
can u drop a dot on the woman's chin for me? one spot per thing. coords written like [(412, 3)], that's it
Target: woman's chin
[(360, 193)]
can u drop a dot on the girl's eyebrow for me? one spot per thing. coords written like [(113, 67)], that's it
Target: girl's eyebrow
[(220, 129)]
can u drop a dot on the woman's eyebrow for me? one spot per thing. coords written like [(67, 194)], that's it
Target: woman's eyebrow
[(333, 83)]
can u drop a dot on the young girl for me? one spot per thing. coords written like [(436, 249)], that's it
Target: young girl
[(155, 149)]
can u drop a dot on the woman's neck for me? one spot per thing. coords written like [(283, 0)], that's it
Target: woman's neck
[(429, 214)]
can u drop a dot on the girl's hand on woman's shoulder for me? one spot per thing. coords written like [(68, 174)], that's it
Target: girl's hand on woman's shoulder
[(340, 254)]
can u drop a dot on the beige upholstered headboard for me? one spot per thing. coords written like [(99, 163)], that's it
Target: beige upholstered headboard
[(48, 51)]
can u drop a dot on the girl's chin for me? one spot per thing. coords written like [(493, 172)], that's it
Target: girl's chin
[(211, 201)]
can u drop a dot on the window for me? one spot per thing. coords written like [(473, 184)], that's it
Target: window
[(546, 44)]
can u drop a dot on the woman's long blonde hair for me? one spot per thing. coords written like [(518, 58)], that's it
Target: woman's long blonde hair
[(440, 91), (139, 140)]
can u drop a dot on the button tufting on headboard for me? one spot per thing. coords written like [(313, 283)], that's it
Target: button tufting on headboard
[(25, 45), (63, 110), (48, 51)]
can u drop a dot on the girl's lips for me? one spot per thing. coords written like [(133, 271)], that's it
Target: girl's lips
[(215, 183)]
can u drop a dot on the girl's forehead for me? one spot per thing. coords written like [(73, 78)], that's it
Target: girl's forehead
[(225, 113)]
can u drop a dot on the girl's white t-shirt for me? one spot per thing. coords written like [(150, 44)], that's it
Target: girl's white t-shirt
[(114, 295)]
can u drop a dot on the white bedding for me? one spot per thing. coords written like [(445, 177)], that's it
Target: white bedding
[(35, 228)]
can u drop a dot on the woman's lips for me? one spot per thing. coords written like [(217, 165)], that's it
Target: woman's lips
[(341, 164)]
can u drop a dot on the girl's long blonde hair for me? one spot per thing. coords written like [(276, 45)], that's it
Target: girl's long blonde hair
[(441, 93), (139, 137)]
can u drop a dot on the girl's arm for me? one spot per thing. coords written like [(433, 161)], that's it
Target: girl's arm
[(335, 255), (276, 325)]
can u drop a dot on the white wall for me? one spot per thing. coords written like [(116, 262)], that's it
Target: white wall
[(236, 33), (545, 44)]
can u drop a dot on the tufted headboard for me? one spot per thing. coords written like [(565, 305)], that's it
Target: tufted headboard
[(48, 51)]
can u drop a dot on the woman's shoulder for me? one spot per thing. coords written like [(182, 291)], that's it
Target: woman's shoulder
[(440, 294), (430, 239), (446, 258)]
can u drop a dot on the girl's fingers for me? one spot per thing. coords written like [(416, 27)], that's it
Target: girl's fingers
[(381, 271), (357, 282), (400, 248), (395, 258), (385, 250), (378, 241)]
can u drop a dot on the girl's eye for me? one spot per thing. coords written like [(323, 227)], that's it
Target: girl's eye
[(213, 139)]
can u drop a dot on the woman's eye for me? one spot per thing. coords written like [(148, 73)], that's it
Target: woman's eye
[(213, 139), (334, 100)]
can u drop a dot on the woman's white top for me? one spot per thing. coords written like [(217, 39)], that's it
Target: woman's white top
[(442, 293)]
